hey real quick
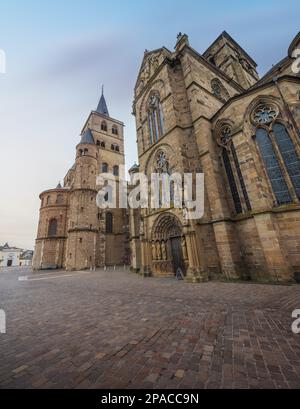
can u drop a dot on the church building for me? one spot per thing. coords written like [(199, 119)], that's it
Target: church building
[(212, 113), (195, 112)]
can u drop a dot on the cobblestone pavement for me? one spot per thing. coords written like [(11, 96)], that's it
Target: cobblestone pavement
[(115, 329)]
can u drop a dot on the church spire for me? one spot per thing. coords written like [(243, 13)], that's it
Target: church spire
[(102, 107)]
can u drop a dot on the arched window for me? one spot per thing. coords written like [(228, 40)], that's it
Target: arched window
[(48, 200), (272, 166), (52, 230), (104, 167), (103, 126), (109, 223), (117, 148), (116, 170), (112, 147), (231, 181), (289, 154), (98, 143), (85, 151), (219, 90), (115, 130), (59, 199), (102, 144), (155, 118), (233, 170), (211, 59)]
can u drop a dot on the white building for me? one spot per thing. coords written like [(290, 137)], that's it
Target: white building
[(11, 256)]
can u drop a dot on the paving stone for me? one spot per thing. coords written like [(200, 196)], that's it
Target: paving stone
[(115, 330)]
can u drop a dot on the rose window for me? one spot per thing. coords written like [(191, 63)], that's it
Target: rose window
[(265, 115)]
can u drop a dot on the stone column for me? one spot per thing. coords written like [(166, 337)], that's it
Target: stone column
[(196, 272), (145, 251)]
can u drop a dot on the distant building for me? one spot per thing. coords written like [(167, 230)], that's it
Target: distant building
[(26, 258), (14, 257), (9, 256)]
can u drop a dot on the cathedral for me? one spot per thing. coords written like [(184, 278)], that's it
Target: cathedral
[(204, 113)]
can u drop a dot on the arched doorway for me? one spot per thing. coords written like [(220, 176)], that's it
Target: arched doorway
[(168, 246)]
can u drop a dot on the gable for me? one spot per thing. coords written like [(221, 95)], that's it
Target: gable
[(151, 62)]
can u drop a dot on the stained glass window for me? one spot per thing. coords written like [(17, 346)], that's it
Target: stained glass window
[(289, 154), (272, 166), (231, 180), (241, 179), (150, 128), (265, 114), (155, 118)]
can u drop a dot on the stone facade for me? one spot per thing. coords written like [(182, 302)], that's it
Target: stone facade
[(195, 113), (73, 233), (214, 115)]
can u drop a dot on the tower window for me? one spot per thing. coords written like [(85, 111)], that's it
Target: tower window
[(116, 170), (103, 126), (98, 143), (112, 147), (109, 223), (102, 144), (59, 199), (48, 202), (117, 148), (52, 230), (115, 130), (104, 167), (219, 90)]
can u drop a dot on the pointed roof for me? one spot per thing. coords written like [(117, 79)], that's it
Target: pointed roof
[(134, 167), (102, 107), (87, 137), (59, 186)]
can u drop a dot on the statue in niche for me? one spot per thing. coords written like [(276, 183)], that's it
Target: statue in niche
[(164, 250), (153, 251), (158, 250), (184, 249)]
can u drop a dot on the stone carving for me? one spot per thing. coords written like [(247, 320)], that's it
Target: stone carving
[(150, 66), (153, 251), (184, 249), (164, 250), (265, 114), (225, 137), (158, 250)]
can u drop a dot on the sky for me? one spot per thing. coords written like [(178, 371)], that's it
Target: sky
[(58, 55)]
